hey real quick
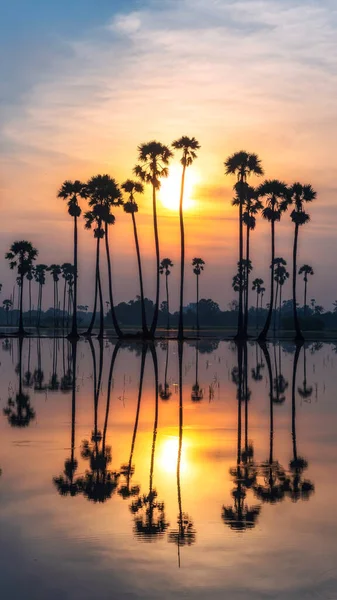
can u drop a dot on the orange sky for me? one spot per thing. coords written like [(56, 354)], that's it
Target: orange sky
[(259, 76)]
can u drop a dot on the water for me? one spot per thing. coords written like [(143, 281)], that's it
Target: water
[(215, 492)]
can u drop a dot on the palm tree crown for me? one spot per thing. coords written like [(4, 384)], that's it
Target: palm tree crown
[(70, 191), (131, 187), (306, 270), (299, 194), (188, 146), (154, 158), (21, 255), (165, 265), (198, 265)]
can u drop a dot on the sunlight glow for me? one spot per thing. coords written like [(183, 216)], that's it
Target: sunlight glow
[(168, 455), (169, 192)]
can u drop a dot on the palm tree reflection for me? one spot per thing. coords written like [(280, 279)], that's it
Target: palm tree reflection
[(197, 392), (19, 411), (241, 517), (149, 513), (185, 534), (164, 390)]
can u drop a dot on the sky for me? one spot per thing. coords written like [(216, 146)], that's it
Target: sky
[(83, 84)]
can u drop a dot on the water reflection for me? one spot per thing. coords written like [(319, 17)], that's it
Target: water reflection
[(121, 437)]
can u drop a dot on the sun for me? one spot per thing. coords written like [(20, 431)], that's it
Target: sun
[(169, 192)]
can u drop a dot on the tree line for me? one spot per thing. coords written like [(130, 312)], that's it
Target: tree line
[(103, 194)]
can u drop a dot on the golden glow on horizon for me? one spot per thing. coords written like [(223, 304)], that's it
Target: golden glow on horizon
[(169, 192), (168, 456)]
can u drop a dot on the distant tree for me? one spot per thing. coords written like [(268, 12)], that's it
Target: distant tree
[(305, 270), (276, 194), (131, 207), (189, 147), (257, 287), (7, 304), (21, 255), (40, 278), (243, 165), (154, 158), (55, 271), (252, 206), (198, 265), (300, 194), (164, 269), (280, 276)]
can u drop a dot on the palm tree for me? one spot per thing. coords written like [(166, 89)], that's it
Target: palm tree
[(189, 146), (198, 265), (131, 207), (299, 195), (72, 191), (103, 190), (21, 255), (7, 304), (30, 277), (154, 159), (128, 469), (276, 194), (252, 206), (280, 276), (305, 270), (164, 268), (197, 391), (55, 271), (164, 390), (243, 165), (257, 287), (96, 217), (40, 278)]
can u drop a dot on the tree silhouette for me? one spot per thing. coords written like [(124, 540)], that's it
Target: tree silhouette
[(68, 275), (40, 278), (243, 165), (128, 469), (185, 534), (197, 391), (103, 191), (55, 271), (189, 147), (276, 194), (305, 392), (131, 207), (154, 159), (96, 217), (300, 194), (164, 269), (19, 412), (149, 513), (198, 265), (280, 276), (72, 191), (257, 287), (305, 270), (21, 256), (251, 208), (7, 304)]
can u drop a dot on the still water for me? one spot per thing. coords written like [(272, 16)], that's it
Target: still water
[(206, 472)]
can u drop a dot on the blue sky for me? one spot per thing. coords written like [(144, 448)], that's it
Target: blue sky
[(83, 83)]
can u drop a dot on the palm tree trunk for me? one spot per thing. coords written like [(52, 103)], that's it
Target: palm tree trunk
[(270, 377), (156, 237), (240, 315), (182, 256), (155, 424), (57, 303), (111, 370), (21, 329), (30, 301), (144, 324), (280, 310), (54, 294), (245, 373), (257, 311), (298, 336), (73, 401), (74, 332), (64, 305), (101, 312), (305, 296), (275, 306), (239, 350), (112, 306), (198, 324), (245, 322), (93, 318), (167, 301), (264, 332)]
